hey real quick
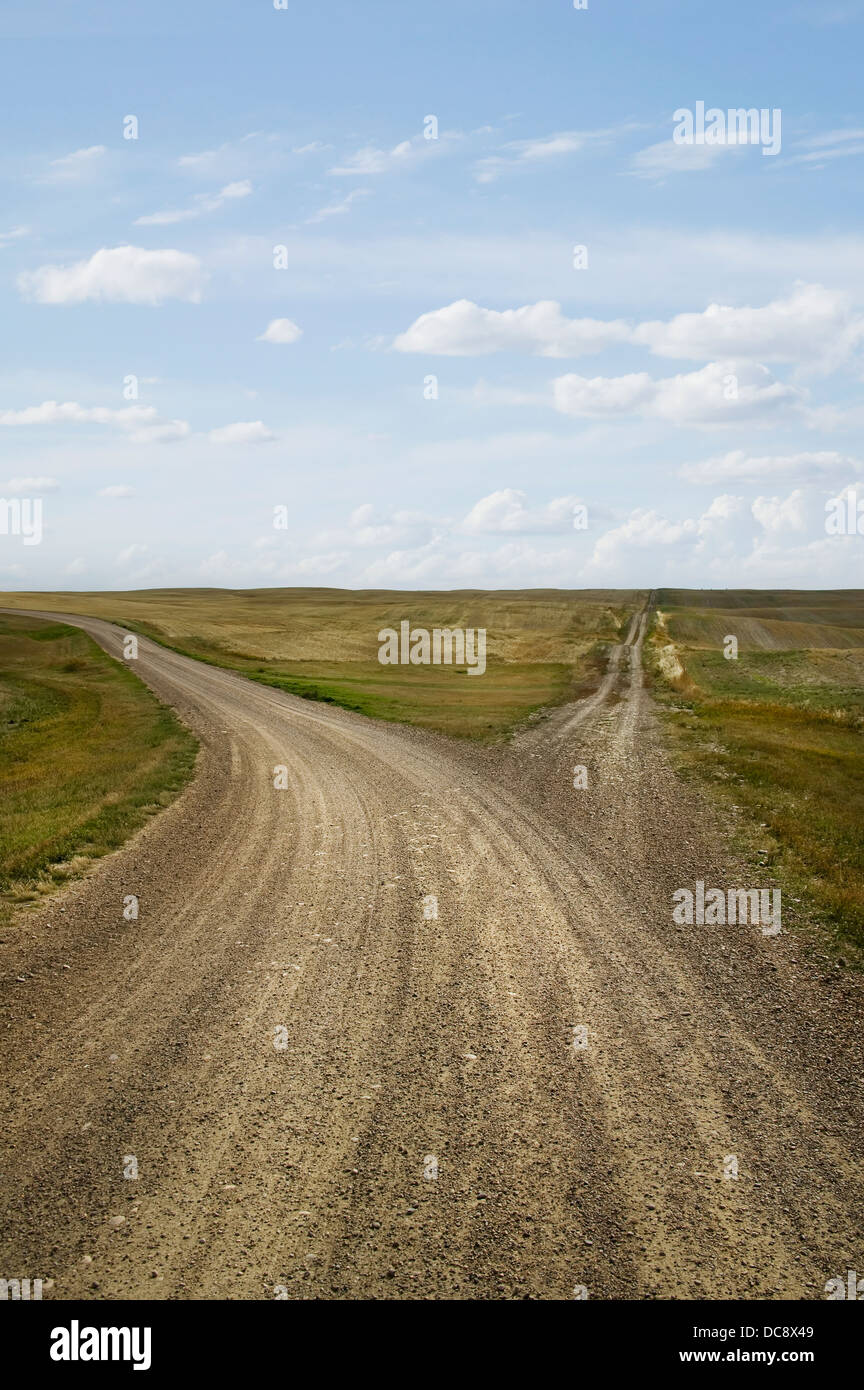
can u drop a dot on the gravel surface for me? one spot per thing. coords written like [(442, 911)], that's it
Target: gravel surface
[(330, 1093)]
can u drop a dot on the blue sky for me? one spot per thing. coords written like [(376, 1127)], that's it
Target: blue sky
[(696, 386)]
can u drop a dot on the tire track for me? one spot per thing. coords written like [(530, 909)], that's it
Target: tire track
[(408, 1039)]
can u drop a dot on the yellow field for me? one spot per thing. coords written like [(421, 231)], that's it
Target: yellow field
[(543, 646)]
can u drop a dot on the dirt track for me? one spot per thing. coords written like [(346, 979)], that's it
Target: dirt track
[(409, 1039)]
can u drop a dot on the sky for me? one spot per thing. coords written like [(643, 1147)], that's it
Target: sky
[(451, 295)]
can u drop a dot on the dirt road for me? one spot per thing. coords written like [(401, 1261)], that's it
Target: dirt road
[(331, 1094)]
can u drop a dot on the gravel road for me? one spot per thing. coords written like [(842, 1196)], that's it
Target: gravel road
[(331, 1092)]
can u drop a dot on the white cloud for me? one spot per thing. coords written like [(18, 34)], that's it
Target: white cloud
[(722, 393), (813, 323), (645, 529), (738, 466), (163, 432), (515, 563), (26, 487), (771, 542), (70, 412), (121, 275), (141, 422), (506, 511), (370, 160), (221, 566), (721, 532), (813, 326), (204, 202), (132, 552), (343, 206), (538, 151), (667, 157), (150, 568), (116, 490), (14, 234), (781, 513), (76, 566), (208, 161), (242, 432), (78, 163), (280, 331), (365, 530), (464, 329), (834, 144), (311, 565)]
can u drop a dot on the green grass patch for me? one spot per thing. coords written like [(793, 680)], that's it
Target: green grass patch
[(87, 753)]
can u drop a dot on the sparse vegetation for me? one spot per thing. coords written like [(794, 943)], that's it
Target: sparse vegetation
[(545, 647), (779, 732), (86, 754)]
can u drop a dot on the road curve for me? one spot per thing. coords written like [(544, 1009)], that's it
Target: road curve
[(329, 1094)]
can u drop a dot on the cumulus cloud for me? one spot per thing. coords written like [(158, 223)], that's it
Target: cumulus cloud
[(812, 326), (140, 422), (739, 466), (280, 331), (781, 513), (464, 329), (722, 393), (507, 511), (120, 275), (242, 432), (769, 542)]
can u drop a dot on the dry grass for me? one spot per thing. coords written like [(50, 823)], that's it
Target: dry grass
[(544, 647), (778, 733)]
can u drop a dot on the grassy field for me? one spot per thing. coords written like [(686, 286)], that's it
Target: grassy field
[(86, 754), (779, 732), (544, 647)]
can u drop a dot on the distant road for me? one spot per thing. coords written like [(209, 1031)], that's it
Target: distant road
[(328, 1092)]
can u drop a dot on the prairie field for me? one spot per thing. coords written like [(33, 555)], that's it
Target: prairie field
[(544, 647), (779, 731), (86, 755)]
